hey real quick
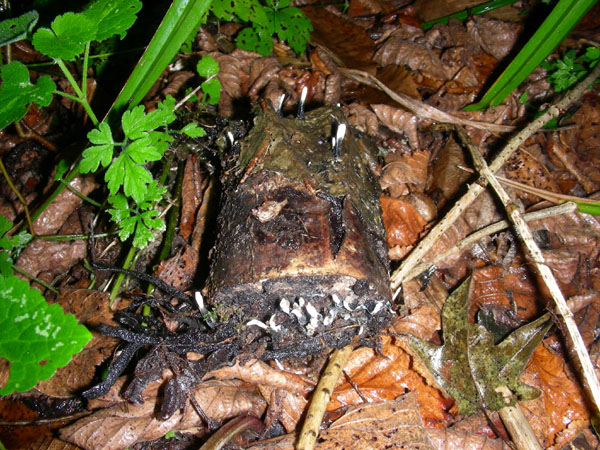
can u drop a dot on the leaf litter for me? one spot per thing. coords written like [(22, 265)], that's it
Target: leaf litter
[(445, 68)]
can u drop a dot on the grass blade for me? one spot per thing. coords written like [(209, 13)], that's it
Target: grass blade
[(557, 25)]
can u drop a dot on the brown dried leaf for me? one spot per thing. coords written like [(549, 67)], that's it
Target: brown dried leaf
[(400, 121), (179, 270), (373, 426), (447, 178), (194, 183), (124, 424), (449, 439), (55, 215), (527, 169), (403, 170), (285, 406), (360, 8), (385, 375), (348, 42), (495, 36), (362, 118), (50, 443), (176, 82), (414, 55), (423, 322), (402, 222), (560, 413)]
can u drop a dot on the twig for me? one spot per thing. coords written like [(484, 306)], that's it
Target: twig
[(19, 196), (517, 424), (320, 398), (421, 109), (538, 258), (475, 189), (468, 241)]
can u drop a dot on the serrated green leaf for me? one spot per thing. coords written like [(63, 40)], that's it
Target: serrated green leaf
[(207, 67), (136, 180), (115, 175), (112, 17), (13, 30), (255, 39), (132, 122), (36, 338), (212, 89), (469, 366), (293, 27), (6, 264), (127, 227), (69, 33), (142, 151), (193, 130), (136, 123), (154, 192), (17, 92), (102, 152), (12, 243)]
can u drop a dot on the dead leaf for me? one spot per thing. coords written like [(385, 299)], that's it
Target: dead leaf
[(447, 178), (405, 172), (422, 322), (560, 413), (124, 424), (527, 169), (350, 43), (400, 121), (179, 270), (449, 439), (374, 426), (469, 366), (495, 36), (402, 222), (375, 376), (194, 183), (414, 55)]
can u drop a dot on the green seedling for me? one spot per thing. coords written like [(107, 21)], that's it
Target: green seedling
[(276, 17), (466, 13)]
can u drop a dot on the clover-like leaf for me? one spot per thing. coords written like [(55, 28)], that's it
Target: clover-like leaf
[(13, 30), (36, 338), (212, 89), (112, 17), (256, 39), (101, 153), (17, 92), (69, 33), (469, 366), (207, 67)]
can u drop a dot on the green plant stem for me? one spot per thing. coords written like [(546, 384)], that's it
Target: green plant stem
[(80, 195), (466, 13), (34, 278), (173, 216), (120, 277), (86, 57), (19, 196), (75, 237), (81, 98)]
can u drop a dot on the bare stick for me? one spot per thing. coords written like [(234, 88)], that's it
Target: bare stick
[(537, 257), (516, 423), (421, 109), (475, 189), (468, 241), (320, 398)]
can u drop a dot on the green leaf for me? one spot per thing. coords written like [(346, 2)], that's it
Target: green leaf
[(207, 67), (61, 168), (251, 11), (553, 30), (136, 123), (589, 208), (193, 130), (212, 89), (36, 338), (17, 93), (182, 17), (13, 30), (469, 366), (69, 33), (141, 151), (101, 153), (115, 175), (223, 9), (112, 17), (256, 39), (293, 27), (136, 180)]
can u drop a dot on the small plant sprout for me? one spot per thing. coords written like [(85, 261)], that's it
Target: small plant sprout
[(303, 95)]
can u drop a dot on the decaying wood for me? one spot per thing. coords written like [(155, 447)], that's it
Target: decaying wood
[(301, 248)]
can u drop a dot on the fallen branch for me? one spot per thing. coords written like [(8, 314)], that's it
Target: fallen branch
[(475, 189), (535, 254), (421, 109), (468, 241), (320, 398)]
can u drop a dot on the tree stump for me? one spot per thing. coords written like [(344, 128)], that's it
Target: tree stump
[(301, 250)]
